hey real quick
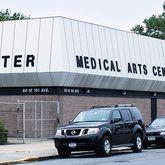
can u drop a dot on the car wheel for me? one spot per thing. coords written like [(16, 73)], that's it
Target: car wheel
[(105, 148), (64, 152), (138, 143)]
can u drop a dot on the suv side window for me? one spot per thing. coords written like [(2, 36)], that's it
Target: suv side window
[(116, 117), (137, 114), (126, 114)]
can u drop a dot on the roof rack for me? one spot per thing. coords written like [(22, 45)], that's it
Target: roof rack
[(107, 106), (117, 105), (123, 105)]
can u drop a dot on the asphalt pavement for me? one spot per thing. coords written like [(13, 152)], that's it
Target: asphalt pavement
[(123, 157)]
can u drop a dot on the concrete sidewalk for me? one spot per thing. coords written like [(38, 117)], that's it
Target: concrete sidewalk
[(13, 153)]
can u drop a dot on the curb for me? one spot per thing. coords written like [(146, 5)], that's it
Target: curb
[(32, 159)]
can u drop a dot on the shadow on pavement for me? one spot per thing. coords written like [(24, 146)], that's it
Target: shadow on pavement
[(93, 155), (155, 147)]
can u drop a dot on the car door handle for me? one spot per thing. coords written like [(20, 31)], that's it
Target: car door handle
[(129, 122), (119, 124)]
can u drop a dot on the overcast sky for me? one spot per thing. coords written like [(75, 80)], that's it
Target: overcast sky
[(121, 14)]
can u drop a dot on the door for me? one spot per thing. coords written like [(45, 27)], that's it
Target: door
[(129, 124), (118, 128)]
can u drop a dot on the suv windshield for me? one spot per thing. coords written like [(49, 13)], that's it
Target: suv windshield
[(158, 123), (92, 115)]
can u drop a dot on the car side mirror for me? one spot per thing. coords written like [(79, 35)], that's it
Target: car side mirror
[(116, 120)]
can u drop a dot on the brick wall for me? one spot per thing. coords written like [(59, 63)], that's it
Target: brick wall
[(160, 107), (71, 105)]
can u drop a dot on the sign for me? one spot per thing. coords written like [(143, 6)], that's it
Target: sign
[(35, 90), (78, 92), (114, 66), (18, 61)]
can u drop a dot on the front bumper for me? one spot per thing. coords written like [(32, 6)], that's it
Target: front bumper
[(154, 140), (83, 143)]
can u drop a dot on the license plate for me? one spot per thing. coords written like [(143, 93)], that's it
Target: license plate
[(72, 145), (151, 138)]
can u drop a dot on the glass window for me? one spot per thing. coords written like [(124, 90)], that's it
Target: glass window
[(158, 123), (93, 115), (126, 114), (136, 114), (116, 115)]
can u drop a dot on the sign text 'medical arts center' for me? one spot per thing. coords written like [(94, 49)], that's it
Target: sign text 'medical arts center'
[(114, 66)]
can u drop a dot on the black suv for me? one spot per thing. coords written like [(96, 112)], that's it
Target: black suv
[(101, 128)]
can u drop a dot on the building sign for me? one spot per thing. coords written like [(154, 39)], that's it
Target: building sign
[(35, 90), (114, 66), (92, 63), (77, 92), (18, 61), (71, 91)]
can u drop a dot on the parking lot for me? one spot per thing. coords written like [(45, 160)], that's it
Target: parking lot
[(125, 157)]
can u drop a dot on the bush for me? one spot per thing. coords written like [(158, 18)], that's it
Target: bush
[(3, 133)]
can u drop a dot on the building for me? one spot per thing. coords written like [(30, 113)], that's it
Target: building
[(80, 65)]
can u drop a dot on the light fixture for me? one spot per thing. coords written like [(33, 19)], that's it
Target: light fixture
[(154, 94), (124, 92)]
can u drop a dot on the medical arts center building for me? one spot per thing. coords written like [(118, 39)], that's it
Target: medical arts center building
[(79, 65)]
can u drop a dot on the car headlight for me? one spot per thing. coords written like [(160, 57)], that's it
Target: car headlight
[(162, 133), (58, 132), (92, 131)]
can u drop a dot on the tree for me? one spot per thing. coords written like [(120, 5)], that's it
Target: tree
[(154, 26), (7, 15)]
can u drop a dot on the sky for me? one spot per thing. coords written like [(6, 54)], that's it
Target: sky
[(120, 14)]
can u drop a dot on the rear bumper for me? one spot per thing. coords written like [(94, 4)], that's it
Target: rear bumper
[(85, 143)]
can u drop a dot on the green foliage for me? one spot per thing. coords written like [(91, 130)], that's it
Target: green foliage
[(154, 26), (3, 132), (7, 15), (138, 29)]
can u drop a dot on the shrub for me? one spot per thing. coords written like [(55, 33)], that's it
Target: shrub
[(3, 132)]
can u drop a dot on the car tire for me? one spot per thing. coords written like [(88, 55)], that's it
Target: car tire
[(138, 143), (64, 152), (105, 147)]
